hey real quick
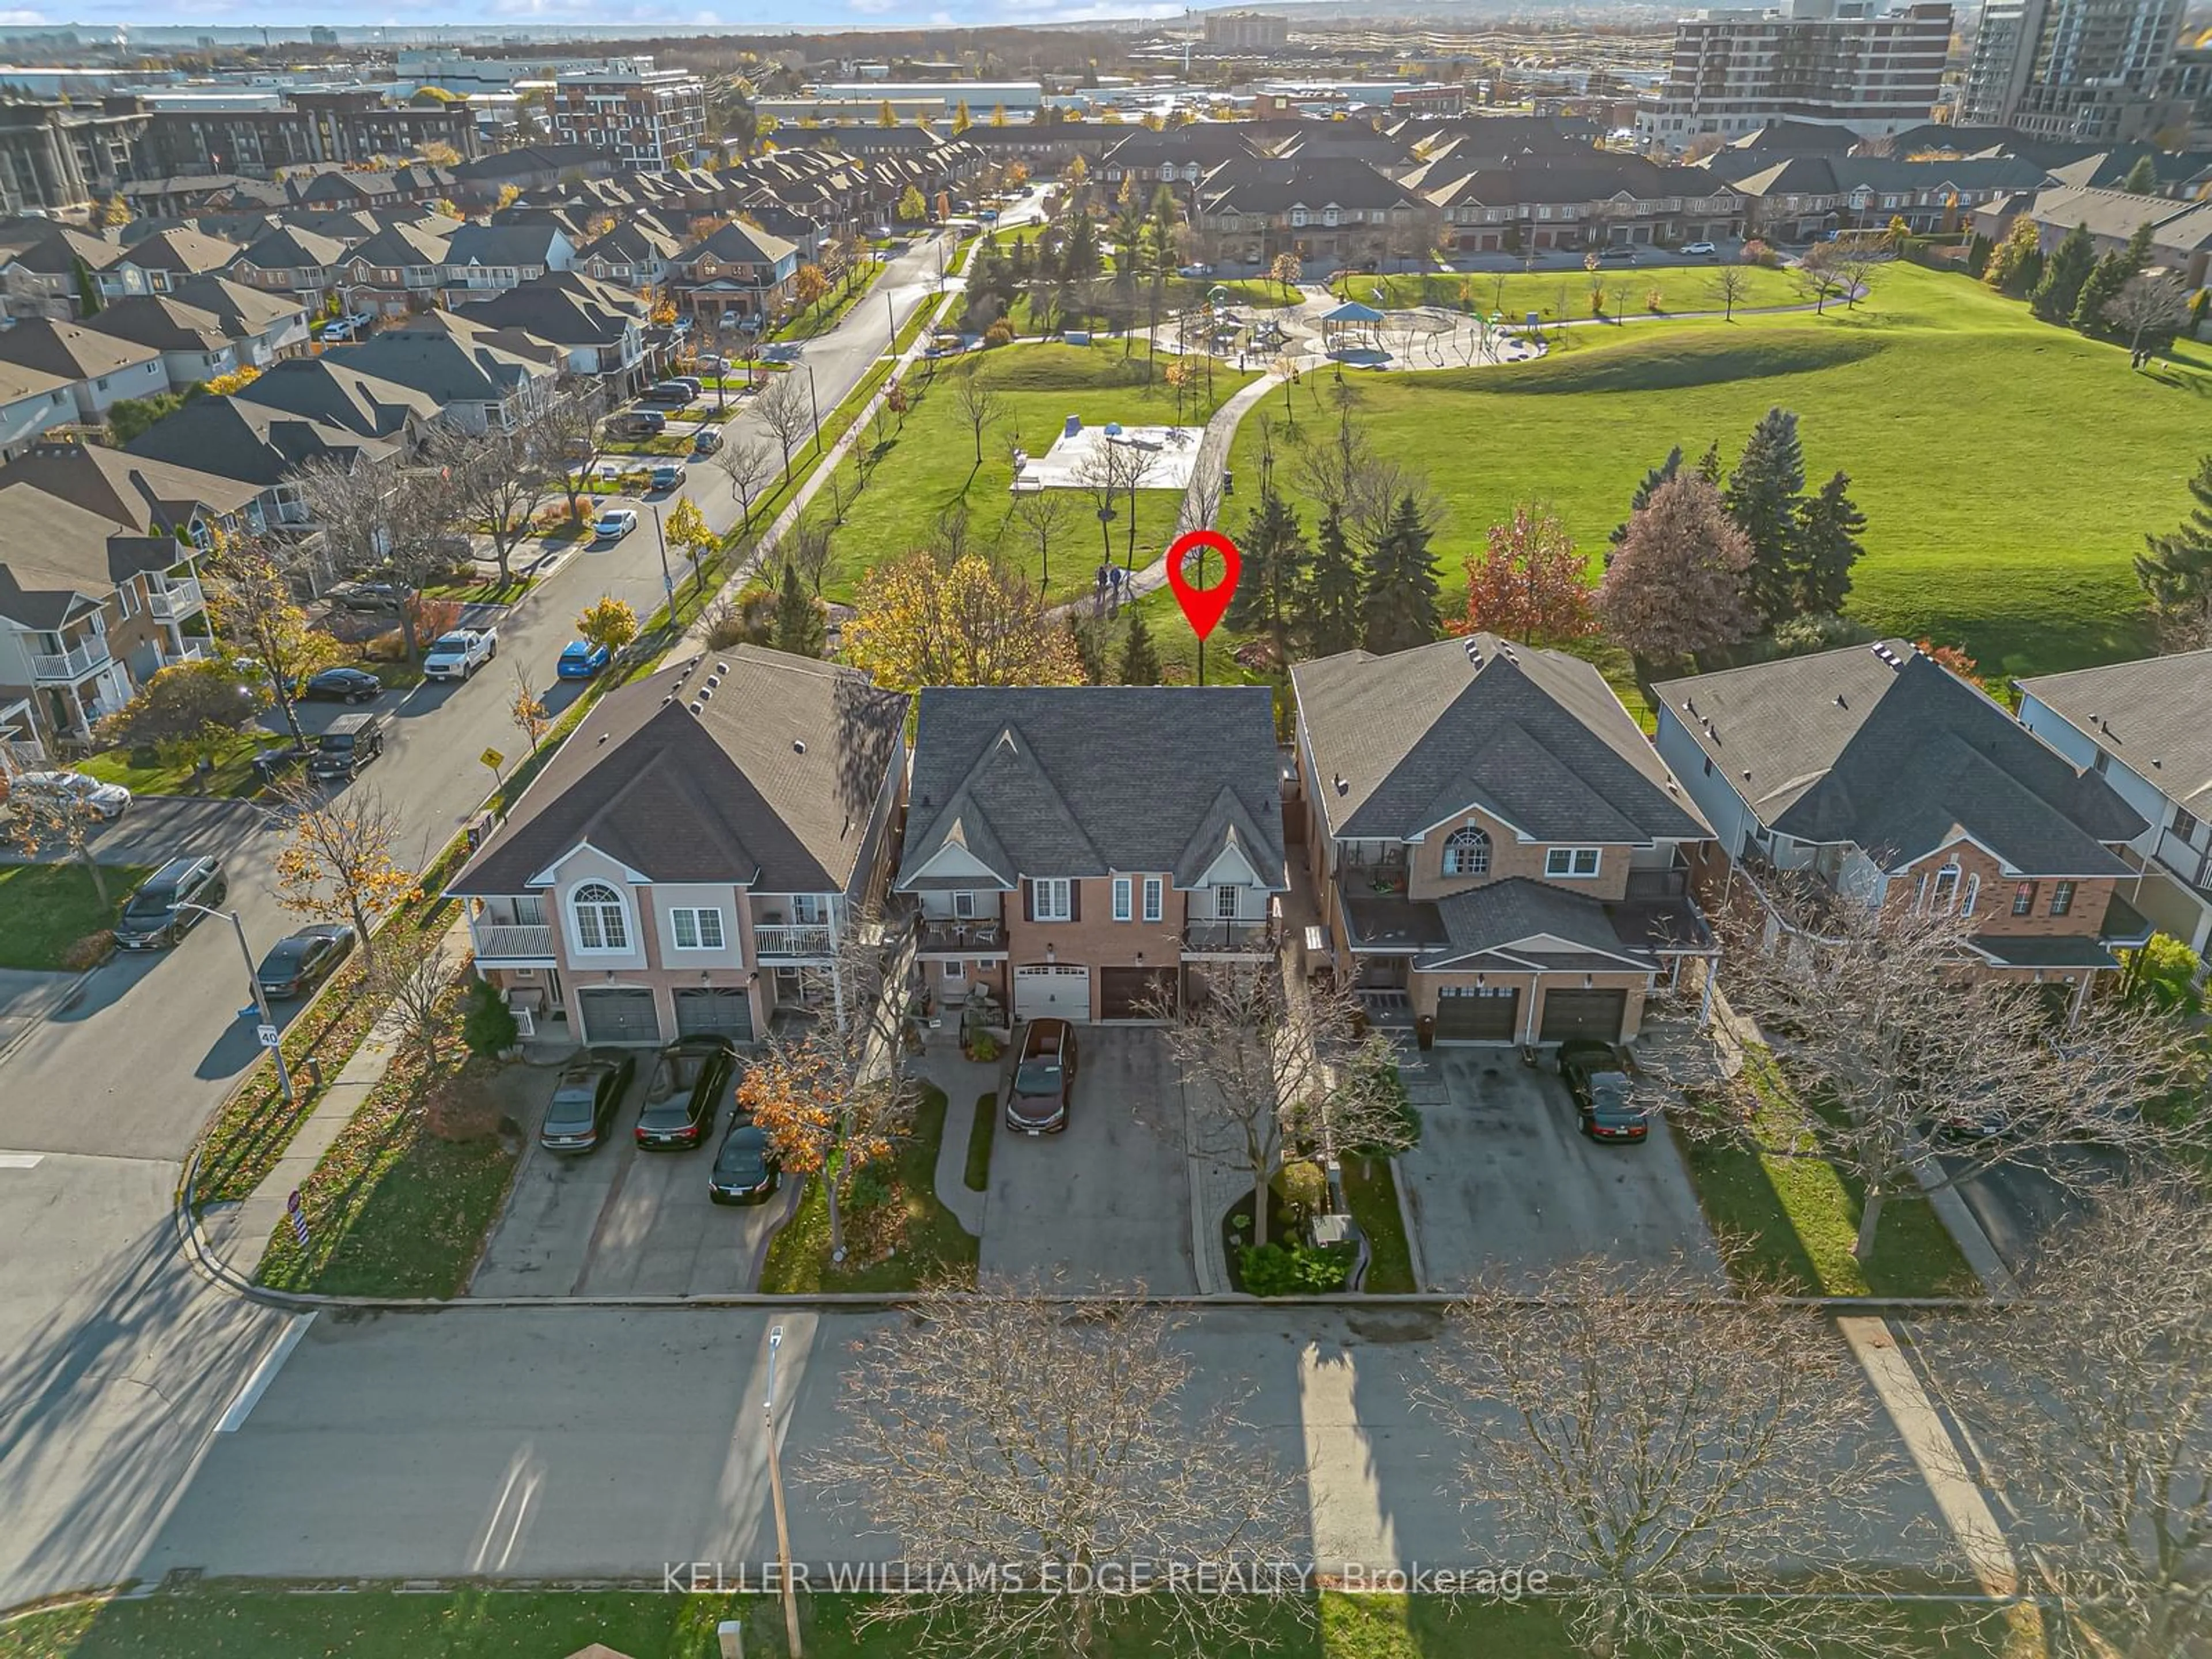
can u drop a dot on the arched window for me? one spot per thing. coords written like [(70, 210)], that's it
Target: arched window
[(1467, 852), (1944, 896), (602, 923)]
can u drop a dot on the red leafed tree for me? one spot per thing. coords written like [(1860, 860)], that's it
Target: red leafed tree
[(1951, 657), (1676, 586), (1527, 583)]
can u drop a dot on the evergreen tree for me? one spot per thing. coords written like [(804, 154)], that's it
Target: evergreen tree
[(87, 291), (1657, 476), (1141, 663), (1090, 648), (1978, 249), (2015, 265), (2108, 278), (1399, 608), (1273, 556), (2176, 570), (800, 629), (2064, 273), (1329, 611), (1763, 496), (2142, 178), (1828, 529), (1709, 465)]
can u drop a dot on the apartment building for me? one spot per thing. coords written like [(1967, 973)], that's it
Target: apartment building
[(1257, 32), (2073, 69), (641, 115), (1850, 63), (348, 126)]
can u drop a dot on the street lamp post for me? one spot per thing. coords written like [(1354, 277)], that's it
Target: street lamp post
[(667, 581), (814, 408), (776, 1493), (253, 984)]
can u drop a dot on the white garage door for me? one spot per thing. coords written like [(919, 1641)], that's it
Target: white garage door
[(1049, 992)]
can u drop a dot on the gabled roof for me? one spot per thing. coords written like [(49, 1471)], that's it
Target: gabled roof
[(2154, 715), (74, 353), (54, 250), (503, 244), (1534, 738), (337, 388), (188, 252), (1883, 749), (1522, 924), (450, 360), (238, 308), (399, 246), (293, 248), (1086, 780), (161, 322), (60, 558), (240, 438), (771, 784), (738, 243), (566, 307), (135, 491)]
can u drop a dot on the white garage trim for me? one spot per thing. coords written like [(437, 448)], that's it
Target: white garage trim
[(1052, 991)]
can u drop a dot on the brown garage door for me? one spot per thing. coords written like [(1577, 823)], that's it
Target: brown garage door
[(1468, 1013), (1570, 1014), (1133, 993)]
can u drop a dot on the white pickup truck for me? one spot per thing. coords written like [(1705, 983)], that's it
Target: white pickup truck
[(457, 655)]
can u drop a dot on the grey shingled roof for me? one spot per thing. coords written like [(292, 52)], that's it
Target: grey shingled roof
[(1086, 780), (1535, 737), (1881, 748), (1495, 918), (2154, 716), (770, 785)]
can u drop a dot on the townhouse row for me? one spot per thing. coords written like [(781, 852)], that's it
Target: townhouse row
[(1473, 833)]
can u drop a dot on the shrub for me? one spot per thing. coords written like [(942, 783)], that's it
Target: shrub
[(1801, 636), (999, 333), (1304, 1187), (1654, 301), (1268, 1270), (983, 1047), (2163, 974), (489, 1029), (88, 952), (868, 1187), (1320, 1272)]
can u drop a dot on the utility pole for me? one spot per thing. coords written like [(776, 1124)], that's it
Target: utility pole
[(775, 1492), (253, 984), (814, 408), (667, 581)]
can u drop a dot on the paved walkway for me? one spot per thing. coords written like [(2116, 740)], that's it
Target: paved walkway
[(964, 1081)]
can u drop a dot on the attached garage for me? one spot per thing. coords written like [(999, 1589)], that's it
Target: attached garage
[(618, 1014), (1048, 991), (715, 1011), (1594, 1014), (1134, 992), (1472, 1014)]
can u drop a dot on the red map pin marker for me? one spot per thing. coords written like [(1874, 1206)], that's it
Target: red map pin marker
[(1203, 607)]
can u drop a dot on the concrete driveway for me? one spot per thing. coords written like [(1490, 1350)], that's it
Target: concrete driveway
[(619, 1222), (1502, 1178), (1107, 1199)]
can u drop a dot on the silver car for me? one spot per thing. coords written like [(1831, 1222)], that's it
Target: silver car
[(105, 801)]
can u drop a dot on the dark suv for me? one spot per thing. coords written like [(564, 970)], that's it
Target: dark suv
[(684, 1095), (349, 743), (1036, 1097), (154, 917)]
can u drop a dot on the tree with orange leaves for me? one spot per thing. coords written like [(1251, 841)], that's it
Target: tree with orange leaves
[(1527, 584)]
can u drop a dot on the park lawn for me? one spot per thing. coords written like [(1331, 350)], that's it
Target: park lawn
[(45, 908), (384, 1622), (1688, 287), (233, 777), (2009, 470), (926, 464)]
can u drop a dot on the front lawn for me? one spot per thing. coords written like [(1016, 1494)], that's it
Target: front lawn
[(231, 775), (487, 589), (45, 908), (976, 1176), (929, 1245), (1371, 1190)]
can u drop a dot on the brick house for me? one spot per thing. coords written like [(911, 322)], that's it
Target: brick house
[(1083, 851), (693, 857), (1881, 775), (1494, 843)]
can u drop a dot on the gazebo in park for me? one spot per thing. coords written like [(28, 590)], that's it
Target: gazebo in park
[(1351, 327)]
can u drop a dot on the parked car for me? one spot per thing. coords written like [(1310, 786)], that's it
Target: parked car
[(708, 362), (585, 1100), (667, 475), (156, 917), (367, 596), (667, 392), (1044, 1075), (1195, 270), (637, 423), (457, 654), (342, 685), (1700, 248), (706, 440), (690, 383), (744, 1166), (78, 791), (684, 1095), (581, 660), (615, 523), (1617, 250), (1598, 1079), (300, 962), (347, 743)]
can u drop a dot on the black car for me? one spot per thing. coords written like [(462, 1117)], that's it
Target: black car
[(299, 963), (156, 917), (1598, 1078), (347, 743), (342, 685), (745, 1168), (582, 1110), (684, 1093)]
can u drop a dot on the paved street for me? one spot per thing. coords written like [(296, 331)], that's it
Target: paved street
[(117, 1360)]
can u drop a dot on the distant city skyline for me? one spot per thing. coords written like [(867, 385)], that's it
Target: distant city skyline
[(554, 17)]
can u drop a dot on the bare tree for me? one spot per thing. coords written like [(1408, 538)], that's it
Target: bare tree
[(1342, 470), (2147, 304), (2090, 1403), (338, 863), (746, 463), (979, 407), (256, 611), (572, 436), (499, 480), (413, 990), (1058, 1442), (808, 548), (397, 523), (1266, 1073), (1730, 284), (1043, 515), (1894, 1032), (782, 407), (1855, 264), (1645, 1442), (1819, 274)]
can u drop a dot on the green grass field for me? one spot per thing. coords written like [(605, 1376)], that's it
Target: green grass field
[(2009, 470), (45, 908), (926, 464), (1681, 288)]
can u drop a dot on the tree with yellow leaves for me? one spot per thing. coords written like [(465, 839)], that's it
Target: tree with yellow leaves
[(886, 115), (808, 284), (528, 710), (609, 622), (687, 528), (961, 120), (509, 194), (922, 622), (338, 865), (237, 381)]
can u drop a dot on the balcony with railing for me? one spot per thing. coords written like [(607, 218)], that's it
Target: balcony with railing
[(510, 944), (82, 661), (940, 936), (2190, 865), (1369, 872), (1246, 937), (774, 940), (180, 598)]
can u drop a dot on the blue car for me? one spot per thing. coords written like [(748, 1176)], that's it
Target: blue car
[(581, 660)]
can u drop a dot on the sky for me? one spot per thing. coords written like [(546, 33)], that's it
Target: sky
[(736, 16)]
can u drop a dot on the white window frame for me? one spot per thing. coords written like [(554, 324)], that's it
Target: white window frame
[(1973, 893), (701, 919), (956, 971), (1943, 889), (1467, 838), (1123, 896), (1052, 898), (964, 905), (1565, 863), (611, 941), (1155, 899)]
